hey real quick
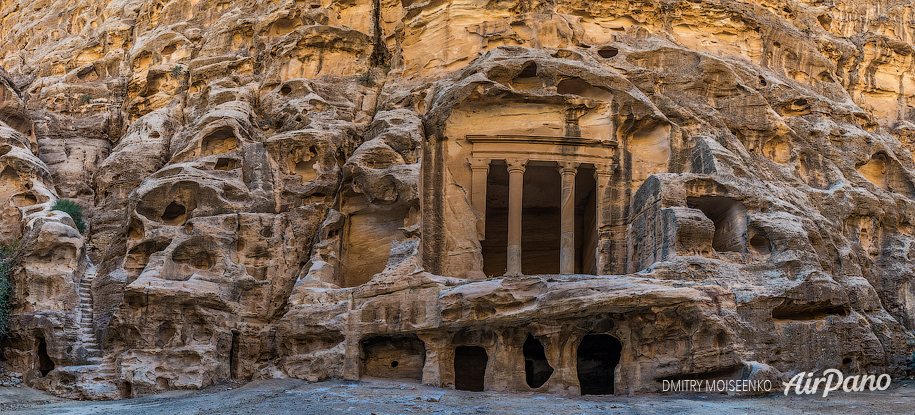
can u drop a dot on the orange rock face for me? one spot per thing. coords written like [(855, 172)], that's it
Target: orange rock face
[(574, 197)]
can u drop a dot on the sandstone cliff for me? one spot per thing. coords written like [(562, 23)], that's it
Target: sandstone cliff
[(322, 189)]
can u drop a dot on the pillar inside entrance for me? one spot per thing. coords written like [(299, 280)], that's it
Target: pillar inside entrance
[(602, 218), (515, 193), (479, 176), (567, 171)]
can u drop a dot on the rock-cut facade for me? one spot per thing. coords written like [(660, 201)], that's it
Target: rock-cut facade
[(571, 197)]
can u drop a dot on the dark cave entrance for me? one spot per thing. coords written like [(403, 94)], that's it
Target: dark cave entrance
[(598, 355), (470, 368), (233, 356), (174, 213), (125, 390), (45, 364), (730, 218), (537, 368)]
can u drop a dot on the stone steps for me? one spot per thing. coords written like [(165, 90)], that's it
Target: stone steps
[(86, 312), (102, 373)]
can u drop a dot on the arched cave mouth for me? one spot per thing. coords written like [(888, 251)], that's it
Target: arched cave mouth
[(537, 368), (527, 79), (608, 52), (219, 141), (125, 390), (45, 364), (226, 164), (730, 218), (170, 49), (174, 213), (470, 368), (598, 355)]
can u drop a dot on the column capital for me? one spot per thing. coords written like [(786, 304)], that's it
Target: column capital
[(603, 170), (516, 165), (479, 164), (567, 167)]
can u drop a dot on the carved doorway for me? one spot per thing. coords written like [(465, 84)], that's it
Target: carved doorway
[(598, 355), (470, 368)]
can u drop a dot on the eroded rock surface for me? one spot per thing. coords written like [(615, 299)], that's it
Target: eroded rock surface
[(320, 189)]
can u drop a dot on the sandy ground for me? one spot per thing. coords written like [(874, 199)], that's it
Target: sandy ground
[(385, 397)]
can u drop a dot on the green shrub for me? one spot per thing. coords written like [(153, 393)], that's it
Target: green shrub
[(7, 252), (85, 98), (73, 209)]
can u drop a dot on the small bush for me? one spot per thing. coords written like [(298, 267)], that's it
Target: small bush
[(7, 252), (85, 98), (73, 209), (177, 70)]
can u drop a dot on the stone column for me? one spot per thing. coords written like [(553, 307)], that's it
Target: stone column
[(515, 191), (434, 368), (567, 171), (480, 169), (602, 217), (352, 354)]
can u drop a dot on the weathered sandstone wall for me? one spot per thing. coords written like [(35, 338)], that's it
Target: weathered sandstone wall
[(322, 189)]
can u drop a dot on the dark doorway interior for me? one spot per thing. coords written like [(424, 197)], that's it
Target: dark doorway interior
[(598, 355), (126, 390), (233, 356), (540, 220), (45, 364), (585, 221), (495, 244), (536, 366), (470, 368)]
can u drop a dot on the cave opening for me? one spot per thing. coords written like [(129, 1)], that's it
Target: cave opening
[(598, 355), (396, 357), (219, 141), (730, 218), (470, 368), (528, 71), (226, 164), (125, 390), (233, 356), (537, 368), (527, 79), (173, 213), (759, 242), (170, 49), (45, 364), (608, 52)]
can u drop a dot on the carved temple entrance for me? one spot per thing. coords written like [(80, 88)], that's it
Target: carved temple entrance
[(540, 200)]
